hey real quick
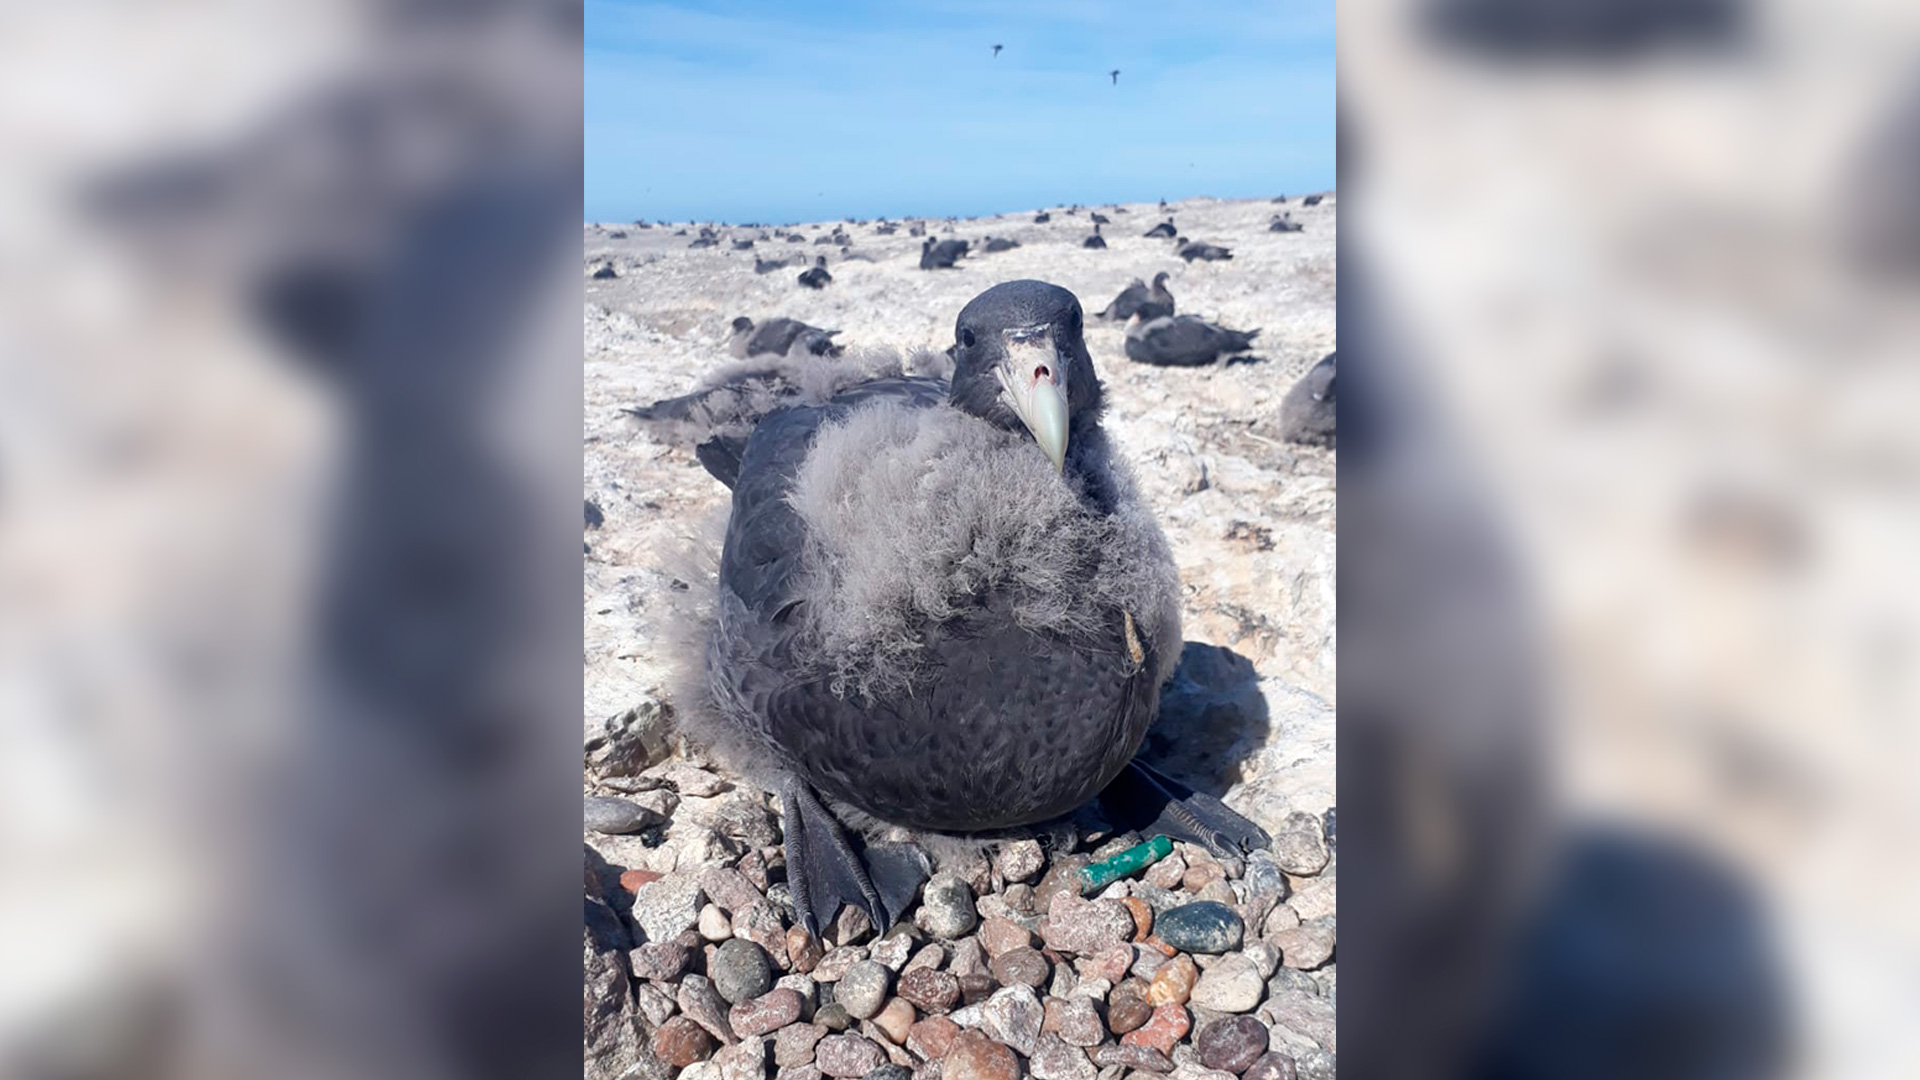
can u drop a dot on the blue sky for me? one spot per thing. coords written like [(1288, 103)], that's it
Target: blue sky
[(758, 110)]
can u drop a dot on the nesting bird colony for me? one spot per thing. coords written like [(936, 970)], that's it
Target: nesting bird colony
[(1092, 950)]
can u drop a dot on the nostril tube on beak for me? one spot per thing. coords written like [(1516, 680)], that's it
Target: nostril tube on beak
[(1042, 372)]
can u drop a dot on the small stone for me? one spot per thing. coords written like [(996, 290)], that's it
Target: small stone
[(1289, 981), (1019, 897), (1022, 967), (1264, 877), (714, 924), (729, 888), (680, 1042), (1168, 1025), (1201, 874), (894, 1020), (655, 1004), (850, 926), (631, 880), (1203, 927), (946, 908), (1148, 963), (1315, 1065), (701, 1070), (1109, 964), (1142, 913), (1075, 1020), (1003, 935), (1132, 1056), (1019, 861), (890, 1072), (793, 1072), (833, 1016), (1300, 847), (975, 988), (1062, 876), (1264, 956), (931, 957), (974, 1056), (803, 950), (740, 970), (1086, 926), (1166, 873), (1159, 899), (1128, 1007), (615, 817), (770, 1011), (1173, 983), (848, 1055), (891, 952), (1232, 985), (793, 1045), (1091, 989), (1313, 898), (1272, 1066), (1233, 1044), (667, 907), (1305, 1015), (930, 1037), (836, 963), (1054, 1059), (662, 960), (1218, 892), (968, 958), (700, 1002), (1013, 1016), (745, 1060), (689, 779), (934, 991), (863, 989), (803, 985), (1306, 946), (1282, 917)]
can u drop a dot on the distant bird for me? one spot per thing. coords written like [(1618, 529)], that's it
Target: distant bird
[(816, 278), (1137, 294), (1183, 341), (604, 273), (1196, 249), (1115, 73), (943, 606), (617, 234), (1314, 200), (776, 337), (703, 242), (1094, 241), (886, 229), (1000, 243), (1164, 229), (679, 232), (1042, 218), (1163, 202), (1280, 199), (1159, 301), (743, 245), (996, 50), (847, 254), (1284, 223), (796, 238), (1307, 412), (919, 229), (1100, 218), (942, 254), (768, 266)]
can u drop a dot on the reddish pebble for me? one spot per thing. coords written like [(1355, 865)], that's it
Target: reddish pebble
[(930, 1037), (633, 879), (1159, 946), (768, 1012), (974, 1056), (803, 950), (1142, 913), (680, 1042), (934, 991), (1127, 1007), (895, 1021), (1169, 1025), (1173, 983), (1110, 964)]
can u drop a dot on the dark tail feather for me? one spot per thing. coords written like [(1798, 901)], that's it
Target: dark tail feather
[(1242, 340)]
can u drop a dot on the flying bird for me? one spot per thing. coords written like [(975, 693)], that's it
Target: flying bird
[(1115, 73), (942, 606), (1183, 341), (996, 50)]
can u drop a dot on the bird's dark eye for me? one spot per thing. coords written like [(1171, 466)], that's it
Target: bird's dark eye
[(966, 339)]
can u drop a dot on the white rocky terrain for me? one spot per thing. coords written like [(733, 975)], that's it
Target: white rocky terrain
[(1250, 519)]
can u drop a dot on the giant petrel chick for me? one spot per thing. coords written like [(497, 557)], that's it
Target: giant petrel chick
[(817, 277), (1184, 341), (942, 606), (776, 337)]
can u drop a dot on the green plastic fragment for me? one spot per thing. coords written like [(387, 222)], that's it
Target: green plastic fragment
[(1133, 860)]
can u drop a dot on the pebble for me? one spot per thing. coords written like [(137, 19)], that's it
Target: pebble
[(946, 908), (974, 1056), (1264, 956), (1132, 1056), (745, 1060), (1013, 1015), (680, 1042), (701, 1070), (1263, 876), (1054, 1059), (1203, 927), (1075, 1020), (930, 1037), (662, 960), (803, 985), (1315, 1065), (975, 988), (1287, 981), (769, 1012), (1062, 876), (836, 963), (1086, 926), (740, 970), (894, 1021), (1020, 860), (1199, 875), (892, 951), (1313, 898), (890, 1072), (930, 957), (1090, 989), (1019, 897), (729, 888), (1142, 913), (1003, 935), (655, 1004), (1148, 963), (615, 817), (1173, 983), (1022, 967), (1300, 847), (1168, 1025), (668, 907), (700, 1002), (969, 958), (1159, 899), (1306, 946), (850, 926), (1305, 1015), (1232, 1044), (1272, 1066), (1282, 917), (848, 1055), (714, 924), (833, 1016), (934, 991), (1218, 892), (1127, 1007), (689, 779), (1233, 985), (803, 950), (631, 880), (863, 989), (793, 1045), (794, 1072), (1110, 964), (1167, 873)]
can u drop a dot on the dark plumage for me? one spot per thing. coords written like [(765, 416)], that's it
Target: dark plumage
[(1095, 240), (1307, 412), (743, 245), (1164, 229), (941, 605), (1159, 301), (1311, 200), (796, 238), (1042, 218), (1124, 305), (1206, 252), (768, 266), (1100, 218), (777, 337), (605, 273), (941, 254), (1284, 223), (886, 229), (703, 242), (999, 243), (1184, 341), (996, 50), (1115, 75), (817, 277)]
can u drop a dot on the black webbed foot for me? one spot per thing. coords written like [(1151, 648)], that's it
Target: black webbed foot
[(1155, 804), (827, 866)]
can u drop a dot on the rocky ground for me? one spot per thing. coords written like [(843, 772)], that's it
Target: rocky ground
[(693, 964)]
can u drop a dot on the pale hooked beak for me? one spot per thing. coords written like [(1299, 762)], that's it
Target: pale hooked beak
[(1034, 376)]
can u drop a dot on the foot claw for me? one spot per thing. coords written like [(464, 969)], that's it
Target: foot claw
[(1155, 803), (826, 868)]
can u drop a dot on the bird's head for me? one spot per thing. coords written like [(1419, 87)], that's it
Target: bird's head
[(1021, 363), (742, 324), (1160, 278)]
